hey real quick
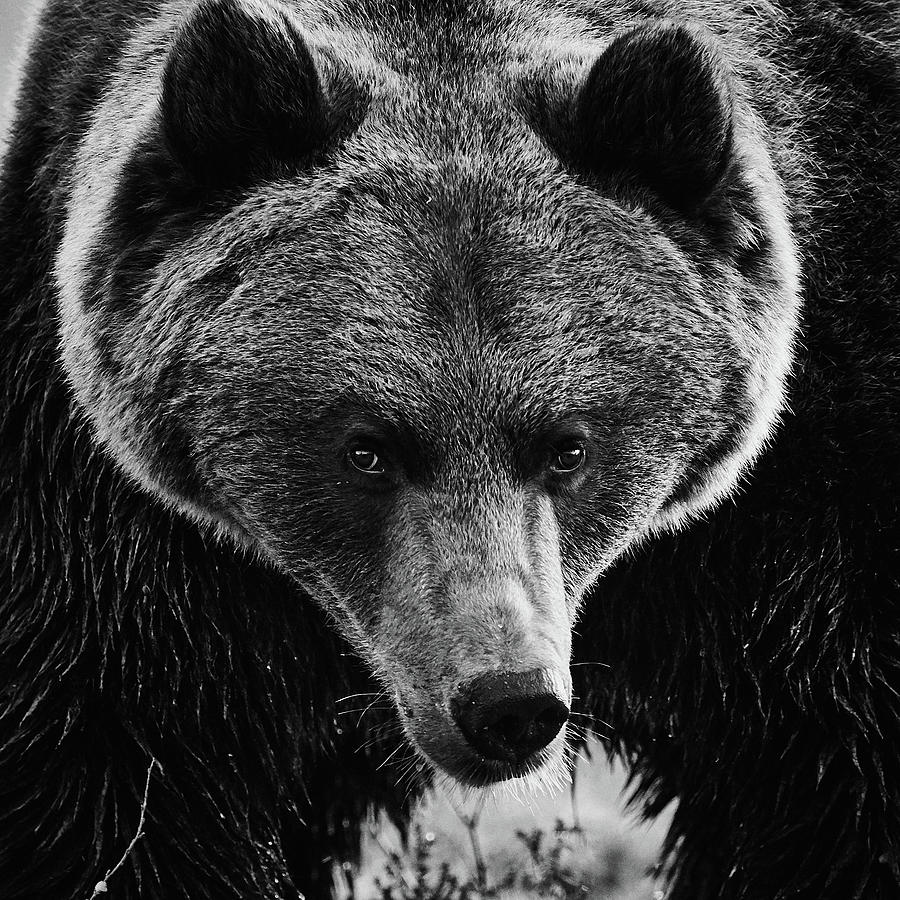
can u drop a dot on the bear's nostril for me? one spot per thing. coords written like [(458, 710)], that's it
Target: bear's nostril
[(508, 716)]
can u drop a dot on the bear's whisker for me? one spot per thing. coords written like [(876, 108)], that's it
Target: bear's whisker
[(381, 693)]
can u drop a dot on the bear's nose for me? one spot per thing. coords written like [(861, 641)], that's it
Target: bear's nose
[(509, 715)]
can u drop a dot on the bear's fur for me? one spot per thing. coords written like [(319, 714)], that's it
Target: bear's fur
[(244, 240), (128, 635)]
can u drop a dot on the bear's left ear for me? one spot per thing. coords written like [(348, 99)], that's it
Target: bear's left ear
[(656, 104), (240, 93)]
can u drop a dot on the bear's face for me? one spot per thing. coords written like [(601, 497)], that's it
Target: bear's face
[(443, 374), (446, 431)]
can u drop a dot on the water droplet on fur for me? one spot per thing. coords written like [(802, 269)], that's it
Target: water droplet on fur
[(100, 887)]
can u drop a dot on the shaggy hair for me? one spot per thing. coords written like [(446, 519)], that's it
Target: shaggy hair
[(158, 564)]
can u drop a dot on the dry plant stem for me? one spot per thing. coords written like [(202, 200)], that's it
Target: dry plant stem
[(471, 823), (573, 800), (139, 833), (388, 854)]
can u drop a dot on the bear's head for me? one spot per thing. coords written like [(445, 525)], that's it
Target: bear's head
[(439, 315)]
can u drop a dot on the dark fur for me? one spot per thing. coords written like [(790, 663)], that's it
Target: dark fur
[(754, 656), (755, 663), (754, 659), (127, 635)]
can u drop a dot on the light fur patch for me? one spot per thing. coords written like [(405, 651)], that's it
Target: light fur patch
[(767, 346), (12, 70), (125, 114)]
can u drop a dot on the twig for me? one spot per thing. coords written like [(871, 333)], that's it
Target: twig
[(391, 856), (102, 887), (573, 800), (471, 826)]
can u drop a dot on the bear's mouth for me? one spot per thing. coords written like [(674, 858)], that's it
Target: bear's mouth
[(504, 726), (469, 770), (481, 772)]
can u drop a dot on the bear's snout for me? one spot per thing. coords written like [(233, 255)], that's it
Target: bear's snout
[(508, 716)]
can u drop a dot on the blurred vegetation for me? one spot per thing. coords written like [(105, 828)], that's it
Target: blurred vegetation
[(604, 857), (414, 876)]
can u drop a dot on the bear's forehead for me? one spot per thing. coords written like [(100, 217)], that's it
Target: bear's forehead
[(418, 277), (416, 37), (447, 218), (461, 255)]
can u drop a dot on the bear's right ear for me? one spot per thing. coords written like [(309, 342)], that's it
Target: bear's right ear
[(656, 104), (240, 93)]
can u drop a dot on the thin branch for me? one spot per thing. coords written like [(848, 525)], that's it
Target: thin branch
[(102, 887), (471, 826)]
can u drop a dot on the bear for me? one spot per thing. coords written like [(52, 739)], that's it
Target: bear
[(131, 642), (498, 361)]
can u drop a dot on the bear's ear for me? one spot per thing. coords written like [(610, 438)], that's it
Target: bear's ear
[(656, 104), (240, 93)]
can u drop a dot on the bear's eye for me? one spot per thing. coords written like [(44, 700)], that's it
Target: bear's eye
[(567, 458), (366, 459)]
